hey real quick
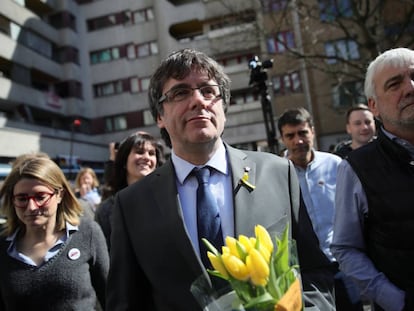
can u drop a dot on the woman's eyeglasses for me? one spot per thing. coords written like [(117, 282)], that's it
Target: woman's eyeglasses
[(40, 199)]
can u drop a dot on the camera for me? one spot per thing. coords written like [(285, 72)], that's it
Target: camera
[(255, 63), (258, 74)]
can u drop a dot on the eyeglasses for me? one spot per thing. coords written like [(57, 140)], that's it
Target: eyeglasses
[(40, 199), (182, 93)]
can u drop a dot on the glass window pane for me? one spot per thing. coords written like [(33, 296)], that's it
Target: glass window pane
[(342, 49), (94, 58), (286, 82), (108, 125), (271, 45), (280, 42), (107, 89), (239, 100), (276, 84), (148, 119), (131, 51), (150, 14), (335, 96), (105, 56), (118, 87), (330, 52), (14, 31), (249, 98), (120, 123), (145, 84), (290, 40), (154, 48), (139, 16), (115, 53), (353, 50), (143, 50), (295, 82), (134, 85)]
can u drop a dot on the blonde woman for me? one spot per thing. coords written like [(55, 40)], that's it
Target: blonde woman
[(87, 186), (47, 246)]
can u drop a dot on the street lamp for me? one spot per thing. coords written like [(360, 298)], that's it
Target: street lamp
[(75, 124)]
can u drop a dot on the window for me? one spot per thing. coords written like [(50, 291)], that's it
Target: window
[(280, 42), (109, 88), (343, 49), (70, 88), (244, 98), (119, 18), (148, 118), (332, 9), (120, 123), (273, 5), (236, 60), (139, 84), (63, 19), (100, 22), (347, 94), (141, 50), (132, 84), (145, 84), (131, 51), (143, 15), (105, 55), (66, 54), (287, 83), (116, 123), (31, 40), (146, 49)]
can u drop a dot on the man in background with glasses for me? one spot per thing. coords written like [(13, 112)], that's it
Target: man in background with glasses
[(156, 253)]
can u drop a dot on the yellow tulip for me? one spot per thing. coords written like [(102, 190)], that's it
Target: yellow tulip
[(264, 237), (235, 267), (217, 264), (258, 267), (265, 253), (258, 281), (231, 244), (254, 278), (246, 242)]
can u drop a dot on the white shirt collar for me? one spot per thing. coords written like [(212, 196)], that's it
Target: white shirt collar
[(183, 167)]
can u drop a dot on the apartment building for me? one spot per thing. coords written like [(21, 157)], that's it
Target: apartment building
[(74, 73)]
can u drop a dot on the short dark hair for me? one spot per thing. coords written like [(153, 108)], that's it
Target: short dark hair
[(294, 116), (179, 65), (355, 108)]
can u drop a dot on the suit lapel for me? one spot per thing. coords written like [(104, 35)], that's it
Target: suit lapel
[(243, 199), (166, 196)]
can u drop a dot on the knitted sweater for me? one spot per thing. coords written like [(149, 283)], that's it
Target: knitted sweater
[(71, 280), (103, 217)]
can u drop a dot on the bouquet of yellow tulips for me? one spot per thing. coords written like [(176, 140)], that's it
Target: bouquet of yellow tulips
[(260, 274)]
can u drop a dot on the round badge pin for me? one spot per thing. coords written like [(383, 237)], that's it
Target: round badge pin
[(74, 254)]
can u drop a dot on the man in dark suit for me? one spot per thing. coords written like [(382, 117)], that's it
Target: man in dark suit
[(155, 255)]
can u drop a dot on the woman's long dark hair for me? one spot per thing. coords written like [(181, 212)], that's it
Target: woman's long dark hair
[(118, 179)]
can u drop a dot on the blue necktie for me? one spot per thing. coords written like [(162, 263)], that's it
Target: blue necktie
[(208, 217)]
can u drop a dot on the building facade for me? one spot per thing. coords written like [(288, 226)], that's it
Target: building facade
[(74, 74)]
